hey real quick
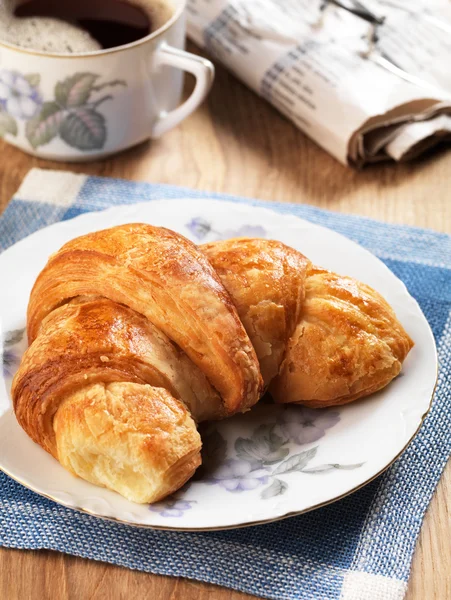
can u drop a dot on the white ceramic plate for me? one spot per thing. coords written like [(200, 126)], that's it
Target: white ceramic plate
[(271, 462)]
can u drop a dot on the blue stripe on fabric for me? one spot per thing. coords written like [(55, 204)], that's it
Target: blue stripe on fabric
[(439, 250), (21, 218), (304, 557), (406, 489), (430, 286), (422, 280), (415, 243)]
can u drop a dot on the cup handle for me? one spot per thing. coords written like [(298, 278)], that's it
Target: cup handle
[(202, 69)]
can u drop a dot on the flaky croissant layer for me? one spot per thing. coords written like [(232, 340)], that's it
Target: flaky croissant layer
[(136, 334), (132, 438)]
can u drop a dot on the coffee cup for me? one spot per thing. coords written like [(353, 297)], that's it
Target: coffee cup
[(88, 105)]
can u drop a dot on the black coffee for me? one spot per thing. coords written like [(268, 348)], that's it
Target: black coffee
[(110, 22)]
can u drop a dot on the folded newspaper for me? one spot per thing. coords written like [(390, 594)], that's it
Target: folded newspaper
[(368, 80)]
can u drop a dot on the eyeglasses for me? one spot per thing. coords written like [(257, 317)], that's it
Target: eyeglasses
[(375, 22), (361, 11)]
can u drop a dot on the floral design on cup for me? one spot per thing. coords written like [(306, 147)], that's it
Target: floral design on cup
[(201, 228), (20, 99), (72, 114), (12, 351), (19, 95), (172, 507), (267, 455)]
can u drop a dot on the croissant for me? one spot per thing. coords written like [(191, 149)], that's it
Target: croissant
[(136, 335)]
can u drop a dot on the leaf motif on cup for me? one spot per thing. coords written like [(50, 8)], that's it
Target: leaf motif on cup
[(7, 124), (85, 129), (75, 90), (34, 79), (42, 128), (102, 86), (72, 115)]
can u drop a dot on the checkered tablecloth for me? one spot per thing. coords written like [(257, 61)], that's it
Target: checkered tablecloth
[(359, 548)]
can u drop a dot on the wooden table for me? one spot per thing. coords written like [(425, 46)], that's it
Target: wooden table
[(236, 143)]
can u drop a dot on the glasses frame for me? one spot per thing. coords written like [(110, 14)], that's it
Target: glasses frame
[(358, 8)]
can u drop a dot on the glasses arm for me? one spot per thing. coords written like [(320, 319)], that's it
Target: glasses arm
[(357, 8)]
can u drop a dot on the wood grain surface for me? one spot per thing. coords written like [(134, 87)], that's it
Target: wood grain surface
[(236, 143)]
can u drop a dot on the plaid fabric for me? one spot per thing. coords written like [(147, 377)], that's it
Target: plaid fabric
[(357, 549)]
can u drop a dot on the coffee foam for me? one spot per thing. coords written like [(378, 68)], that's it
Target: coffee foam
[(42, 33), (54, 35), (159, 11)]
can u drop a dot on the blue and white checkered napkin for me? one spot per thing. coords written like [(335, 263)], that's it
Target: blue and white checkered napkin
[(357, 549)]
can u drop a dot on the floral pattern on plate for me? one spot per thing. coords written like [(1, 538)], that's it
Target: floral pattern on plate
[(173, 507), (72, 114), (270, 453), (11, 352), (262, 461), (200, 228)]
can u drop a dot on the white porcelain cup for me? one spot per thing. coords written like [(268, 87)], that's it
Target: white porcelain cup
[(77, 107)]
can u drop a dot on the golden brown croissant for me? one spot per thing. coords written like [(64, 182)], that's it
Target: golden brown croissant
[(136, 335), (133, 338), (340, 339)]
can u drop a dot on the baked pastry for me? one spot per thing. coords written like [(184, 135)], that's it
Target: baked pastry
[(321, 339), (348, 344), (133, 339), (136, 335), (266, 281)]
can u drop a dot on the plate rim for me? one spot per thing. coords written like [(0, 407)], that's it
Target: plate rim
[(240, 525), (288, 217)]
